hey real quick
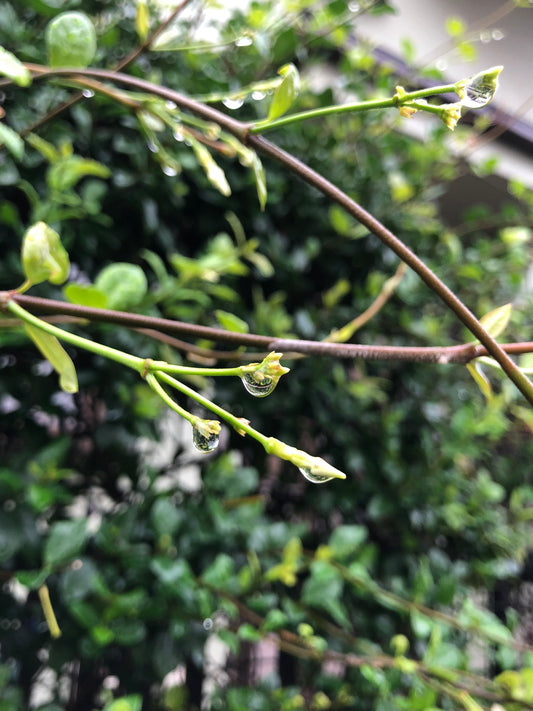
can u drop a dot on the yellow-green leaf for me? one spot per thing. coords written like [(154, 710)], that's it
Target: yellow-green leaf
[(214, 172), (455, 26), (495, 321), (142, 20), (481, 380), (56, 355), (43, 255), (286, 92), (13, 69), (260, 180), (12, 141), (231, 322)]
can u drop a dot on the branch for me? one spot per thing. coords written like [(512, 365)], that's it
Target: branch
[(459, 354), (241, 131)]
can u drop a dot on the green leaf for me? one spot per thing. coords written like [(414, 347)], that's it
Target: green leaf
[(481, 380), (43, 256), (70, 40), (231, 322), (45, 148), (323, 590), (345, 540), (12, 141), (13, 69), (124, 285), (220, 572), (171, 572), (142, 20), (286, 92), (260, 180), (495, 321), (467, 50), (126, 703), (85, 295), (213, 171), (56, 355), (455, 26), (66, 173), (65, 541), (32, 579)]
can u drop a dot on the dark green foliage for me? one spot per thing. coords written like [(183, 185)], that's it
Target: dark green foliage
[(139, 561)]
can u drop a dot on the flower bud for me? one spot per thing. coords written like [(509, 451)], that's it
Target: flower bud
[(260, 379), (43, 256)]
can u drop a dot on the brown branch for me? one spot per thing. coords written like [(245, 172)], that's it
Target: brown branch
[(390, 240), (346, 332), (459, 354)]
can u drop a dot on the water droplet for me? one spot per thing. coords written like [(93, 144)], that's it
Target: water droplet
[(258, 95), (477, 94), (153, 147), (497, 35), (169, 170), (244, 41), (353, 7), (314, 478), (485, 36), (88, 93), (170, 105), (207, 624), (203, 443), (257, 384), (441, 64), (233, 103), (178, 135)]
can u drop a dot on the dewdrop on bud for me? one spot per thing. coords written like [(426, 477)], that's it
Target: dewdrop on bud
[(314, 478), (476, 92), (206, 435), (257, 384), (260, 379), (314, 469), (318, 471)]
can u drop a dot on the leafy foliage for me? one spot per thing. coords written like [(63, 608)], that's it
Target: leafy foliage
[(150, 549)]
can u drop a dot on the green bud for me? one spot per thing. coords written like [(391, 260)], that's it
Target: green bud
[(478, 90), (260, 379), (314, 469), (43, 256), (70, 40)]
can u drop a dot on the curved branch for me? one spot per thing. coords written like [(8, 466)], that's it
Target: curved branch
[(241, 131)]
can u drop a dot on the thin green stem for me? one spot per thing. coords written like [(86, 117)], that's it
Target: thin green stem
[(162, 367), (105, 351), (355, 107), (238, 424), (157, 388)]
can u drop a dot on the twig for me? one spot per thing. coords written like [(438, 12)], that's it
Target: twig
[(459, 354), (390, 240)]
